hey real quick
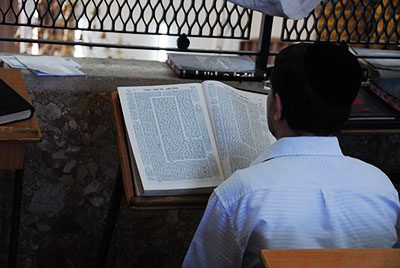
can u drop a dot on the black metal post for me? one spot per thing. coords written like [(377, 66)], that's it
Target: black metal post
[(15, 219), (264, 41), (112, 215)]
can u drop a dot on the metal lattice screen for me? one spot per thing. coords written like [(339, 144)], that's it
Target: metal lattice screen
[(354, 21), (173, 17)]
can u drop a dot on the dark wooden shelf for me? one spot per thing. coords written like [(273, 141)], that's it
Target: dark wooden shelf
[(13, 136)]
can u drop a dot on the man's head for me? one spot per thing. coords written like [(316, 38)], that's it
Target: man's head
[(313, 87)]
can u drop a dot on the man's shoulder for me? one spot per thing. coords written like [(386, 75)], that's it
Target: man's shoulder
[(367, 173), (342, 172), (244, 182)]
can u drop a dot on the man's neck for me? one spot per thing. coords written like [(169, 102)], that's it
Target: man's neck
[(287, 131)]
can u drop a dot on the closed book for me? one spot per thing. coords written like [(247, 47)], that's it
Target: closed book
[(388, 89), (369, 106), (13, 107), (194, 66), (378, 58)]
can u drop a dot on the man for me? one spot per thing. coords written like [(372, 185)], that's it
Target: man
[(302, 192)]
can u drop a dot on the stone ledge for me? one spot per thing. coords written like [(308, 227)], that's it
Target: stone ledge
[(106, 75)]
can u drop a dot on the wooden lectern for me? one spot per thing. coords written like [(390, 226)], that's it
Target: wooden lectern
[(127, 172), (124, 184), (13, 137)]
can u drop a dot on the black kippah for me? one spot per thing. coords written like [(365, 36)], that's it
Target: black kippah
[(329, 71), (317, 84), (333, 73)]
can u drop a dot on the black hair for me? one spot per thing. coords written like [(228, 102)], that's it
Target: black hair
[(317, 84)]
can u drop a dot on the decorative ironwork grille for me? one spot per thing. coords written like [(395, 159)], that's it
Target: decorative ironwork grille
[(354, 21), (172, 17)]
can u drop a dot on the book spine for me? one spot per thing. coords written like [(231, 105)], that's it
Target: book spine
[(200, 74), (217, 75), (389, 99), (174, 68)]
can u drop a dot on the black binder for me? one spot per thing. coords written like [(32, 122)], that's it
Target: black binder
[(13, 107)]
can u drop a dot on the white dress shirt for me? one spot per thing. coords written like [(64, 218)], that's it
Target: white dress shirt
[(293, 9), (301, 193)]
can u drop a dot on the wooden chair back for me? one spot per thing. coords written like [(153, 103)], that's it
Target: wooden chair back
[(331, 258)]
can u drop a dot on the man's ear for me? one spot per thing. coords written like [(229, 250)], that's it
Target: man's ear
[(277, 108)]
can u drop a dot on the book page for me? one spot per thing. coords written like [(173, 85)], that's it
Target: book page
[(240, 125), (171, 136)]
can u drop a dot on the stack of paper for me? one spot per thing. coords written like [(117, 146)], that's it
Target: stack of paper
[(44, 65)]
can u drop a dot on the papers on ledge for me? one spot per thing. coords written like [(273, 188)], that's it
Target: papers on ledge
[(44, 65), (385, 63)]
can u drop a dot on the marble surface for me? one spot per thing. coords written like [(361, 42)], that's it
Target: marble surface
[(67, 187)]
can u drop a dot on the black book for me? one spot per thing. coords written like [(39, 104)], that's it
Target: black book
[(389, 84), (368, 105), (388, 89), (195, 66), (13, 107)]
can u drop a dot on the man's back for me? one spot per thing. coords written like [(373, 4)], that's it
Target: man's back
[(303, 194)]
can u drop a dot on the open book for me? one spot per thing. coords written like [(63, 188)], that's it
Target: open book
[(188, 138)]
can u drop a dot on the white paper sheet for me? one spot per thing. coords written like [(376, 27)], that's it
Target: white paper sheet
[(12, 62), (50, 65)]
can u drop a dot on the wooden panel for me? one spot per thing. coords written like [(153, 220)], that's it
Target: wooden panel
[(331, 258), (122, 148), (146, 202), (11, 156), (22, 131)]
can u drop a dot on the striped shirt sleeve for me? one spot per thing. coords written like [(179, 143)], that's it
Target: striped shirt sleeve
[(214, 243), (397, 245)]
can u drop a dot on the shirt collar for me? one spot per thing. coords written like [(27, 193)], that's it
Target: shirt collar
[(301, 145)]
